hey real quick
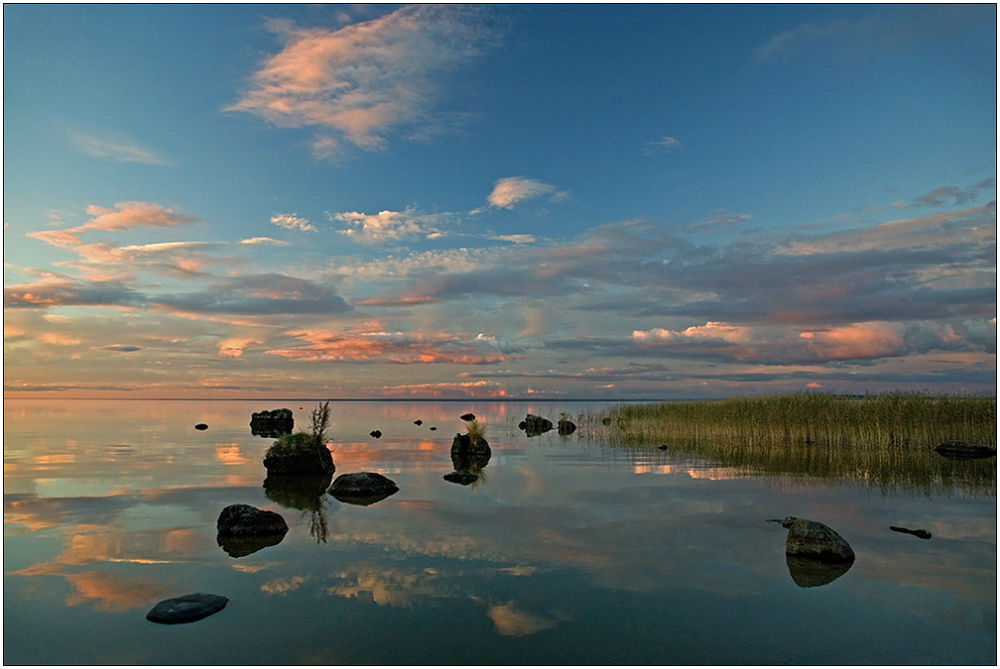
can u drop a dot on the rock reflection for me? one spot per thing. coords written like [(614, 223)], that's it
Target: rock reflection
[(469, 459), (241, 546), (304, 493), (810, 572)]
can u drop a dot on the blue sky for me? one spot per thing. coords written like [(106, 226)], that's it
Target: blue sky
[(584, 201)]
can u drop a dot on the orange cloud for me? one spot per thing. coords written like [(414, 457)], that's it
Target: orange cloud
[(394, 347)]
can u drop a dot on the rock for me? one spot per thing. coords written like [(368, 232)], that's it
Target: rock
[(463, 443), (963, 450), (606, 420), (272, 424), (299, 454), (376, 433), (468, 416), (246, 520), (922, 534), (566, 427), (241, 546), (187, 609), (807, 538), (467, 461), (535, 425), (662, 447), (201, 426), (433, 428), (362, 488), (461, 478), (418, 422)]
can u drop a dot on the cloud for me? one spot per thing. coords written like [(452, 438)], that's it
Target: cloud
[(665, 145), (949, 195), (363, 80), (61, 290), (388, 226), (293, 222), (876, 35), (510, 190), (510, 621), (233, 348), (393, 347), (720, 219), (119, 348), (255, 295), (129, 215), (116, 150), (515, 239)]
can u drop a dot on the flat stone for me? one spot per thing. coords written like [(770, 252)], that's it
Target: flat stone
[(186, 609)]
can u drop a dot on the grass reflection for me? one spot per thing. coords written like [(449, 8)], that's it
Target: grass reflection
[(881, 440)]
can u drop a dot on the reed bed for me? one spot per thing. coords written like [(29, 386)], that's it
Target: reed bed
[(882, 440)]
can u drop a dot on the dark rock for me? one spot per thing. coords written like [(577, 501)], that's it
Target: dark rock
[(963, 450), (535, 425), (566, 427), (433, 428), (663, 447), (606, 420), (299, 454), (468, 461), (362, 488), (809, 572), (463, 443), (807, 538), (418, 422), (201, 426), (468, 416), (922, 534), (246, 520), (376, 433), (461, 477), (186, 609), (272, 424)]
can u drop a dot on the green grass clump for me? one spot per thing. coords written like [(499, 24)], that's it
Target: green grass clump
[(882, 440), (298, 441), (476, 430)]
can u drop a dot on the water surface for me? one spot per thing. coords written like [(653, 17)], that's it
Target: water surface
[(567, 551)]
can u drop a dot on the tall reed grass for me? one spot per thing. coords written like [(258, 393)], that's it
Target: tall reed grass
[(883, 440)]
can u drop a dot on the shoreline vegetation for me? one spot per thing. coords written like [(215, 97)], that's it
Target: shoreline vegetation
[(882, 440)]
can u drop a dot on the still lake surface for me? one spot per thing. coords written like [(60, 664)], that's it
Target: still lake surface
[(567, 551)]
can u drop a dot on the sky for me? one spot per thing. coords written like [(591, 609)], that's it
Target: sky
[(547, 201)]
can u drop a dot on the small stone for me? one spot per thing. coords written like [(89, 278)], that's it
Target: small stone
[(186, 609), (468, 416), (201, 426), (433, 428), (461, 478), (376, 433), (920, 534), (662, 448), (418, 422)]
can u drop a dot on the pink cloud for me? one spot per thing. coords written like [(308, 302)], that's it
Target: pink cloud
[(393, 347)]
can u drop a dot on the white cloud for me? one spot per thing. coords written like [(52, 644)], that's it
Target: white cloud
[(363, 79), (389, 225), (293, 222), (510, 190), (117, 150)]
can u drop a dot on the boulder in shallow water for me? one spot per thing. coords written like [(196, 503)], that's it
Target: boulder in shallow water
[(272, 424), (246, 520), (809, 539), (461, 478), (299, 454), (201, 426), (468, 416), (963, 450), (362, 488), (187, 609), (566, 427), (534, 425)]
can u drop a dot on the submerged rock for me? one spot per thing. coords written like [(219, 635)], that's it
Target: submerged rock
[(187, 608), (362, 488), (468, 416), (201, 426), (809, 539), (299, 454), (461, 477), (921, 534), (566, 427), (272, 424), (535, 425), (963, 450)]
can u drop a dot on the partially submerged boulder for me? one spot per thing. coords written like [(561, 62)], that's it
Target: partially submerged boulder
[(187, 608), (534, 425), (461, 477), (362, 488), (920, 534), (566, 427), (463, 443), (272, 424), (244, 529), (201, 426), (809, 539), (299, 453), (246, 520), (468, 416), (963, 450)]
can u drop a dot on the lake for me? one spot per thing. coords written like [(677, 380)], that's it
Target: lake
[(566, 551)]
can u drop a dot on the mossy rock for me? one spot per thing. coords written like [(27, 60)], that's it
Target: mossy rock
[(299, 453)]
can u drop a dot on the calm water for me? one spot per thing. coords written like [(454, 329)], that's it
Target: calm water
[(566, 552)]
